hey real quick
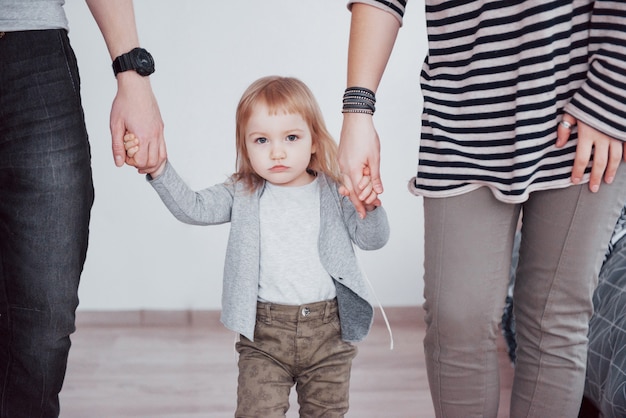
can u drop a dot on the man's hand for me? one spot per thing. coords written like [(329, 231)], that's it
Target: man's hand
[(136, 110)]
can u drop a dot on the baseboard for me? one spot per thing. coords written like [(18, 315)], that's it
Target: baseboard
[(136, 318)]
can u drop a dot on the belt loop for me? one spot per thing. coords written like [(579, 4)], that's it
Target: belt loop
[(268, 313), (264, 313), (327, 311)]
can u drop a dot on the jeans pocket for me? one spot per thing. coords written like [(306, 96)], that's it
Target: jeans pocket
[(336, 324)]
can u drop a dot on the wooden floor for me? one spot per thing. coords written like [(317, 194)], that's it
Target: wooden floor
[(183, 364)]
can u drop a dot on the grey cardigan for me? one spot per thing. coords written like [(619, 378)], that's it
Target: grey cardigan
[(339, 227)]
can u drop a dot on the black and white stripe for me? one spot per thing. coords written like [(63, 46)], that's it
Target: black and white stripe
[(499, 75)]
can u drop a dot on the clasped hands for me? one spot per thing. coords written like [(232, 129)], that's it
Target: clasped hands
[(136, 110), (365, 195), (131, 147)]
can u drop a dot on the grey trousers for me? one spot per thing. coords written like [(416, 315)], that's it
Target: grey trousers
[(468, 245), (299, 345)]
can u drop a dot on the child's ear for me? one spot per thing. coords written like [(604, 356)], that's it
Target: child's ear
[(313, 148)]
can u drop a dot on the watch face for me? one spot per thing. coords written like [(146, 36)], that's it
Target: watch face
[(144, 64)]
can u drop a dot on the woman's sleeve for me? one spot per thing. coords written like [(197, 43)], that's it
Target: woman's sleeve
[(601, 101), (395, 7)]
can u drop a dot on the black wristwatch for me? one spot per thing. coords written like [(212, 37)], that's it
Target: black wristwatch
[(138, 59)]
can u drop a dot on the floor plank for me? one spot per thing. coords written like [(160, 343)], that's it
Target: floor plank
[(183, 365)]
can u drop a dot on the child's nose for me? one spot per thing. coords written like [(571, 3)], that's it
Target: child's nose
[(278, 153)]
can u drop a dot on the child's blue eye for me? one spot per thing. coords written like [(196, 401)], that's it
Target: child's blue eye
[(260, 140), (291, 138)]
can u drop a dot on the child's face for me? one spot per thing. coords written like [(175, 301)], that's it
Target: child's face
[(279, 146)]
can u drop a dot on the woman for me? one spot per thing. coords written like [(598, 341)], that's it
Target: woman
[(524, 104)]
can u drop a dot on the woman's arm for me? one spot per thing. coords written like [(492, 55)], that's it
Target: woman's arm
[(373, 32), (599, 107)]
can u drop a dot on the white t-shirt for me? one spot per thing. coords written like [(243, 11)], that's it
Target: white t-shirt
[(291, 272)]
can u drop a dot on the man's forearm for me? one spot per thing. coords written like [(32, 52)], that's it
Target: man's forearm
[(116, 20)]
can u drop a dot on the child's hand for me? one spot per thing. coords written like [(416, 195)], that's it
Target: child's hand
[(131, 145), (368, 195), (371, 201)]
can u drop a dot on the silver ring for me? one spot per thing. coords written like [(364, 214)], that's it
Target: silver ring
[(566, 124)]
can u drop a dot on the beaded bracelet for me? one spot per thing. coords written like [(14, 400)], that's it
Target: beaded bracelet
[(359, 100)]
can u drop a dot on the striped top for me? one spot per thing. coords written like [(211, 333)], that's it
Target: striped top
[(499, 75)]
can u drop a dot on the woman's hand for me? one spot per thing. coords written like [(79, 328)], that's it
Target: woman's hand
[(359, 161), (607, 152)]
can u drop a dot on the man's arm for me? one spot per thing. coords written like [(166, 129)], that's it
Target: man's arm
[(372, 35), (134, 108)]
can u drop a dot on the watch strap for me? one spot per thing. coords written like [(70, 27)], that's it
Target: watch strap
[(122, 63)]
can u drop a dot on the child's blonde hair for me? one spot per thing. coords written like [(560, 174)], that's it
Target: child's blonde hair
[(290, 95)]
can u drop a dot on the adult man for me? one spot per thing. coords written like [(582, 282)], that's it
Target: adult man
[(46, 189)]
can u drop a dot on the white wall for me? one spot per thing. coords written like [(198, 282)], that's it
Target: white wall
[(206, 54)]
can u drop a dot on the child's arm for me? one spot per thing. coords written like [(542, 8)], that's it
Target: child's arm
[(370, 232), (209, 206), (131, 144)]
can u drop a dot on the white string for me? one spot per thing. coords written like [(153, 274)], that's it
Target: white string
[(382, 311)]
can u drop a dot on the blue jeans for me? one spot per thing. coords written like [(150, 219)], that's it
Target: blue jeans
[(46, 194)]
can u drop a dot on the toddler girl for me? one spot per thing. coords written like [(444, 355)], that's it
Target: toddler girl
[(292, 287)]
